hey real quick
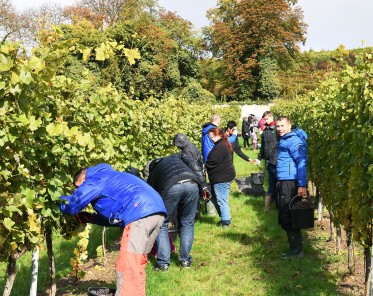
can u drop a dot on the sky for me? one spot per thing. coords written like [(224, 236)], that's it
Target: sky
[(330, 22)]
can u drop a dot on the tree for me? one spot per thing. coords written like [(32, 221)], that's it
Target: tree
[(10, 22), (244, 32), (269, 84), (27, 27), (38, 22), (166, 43), (111, 11)]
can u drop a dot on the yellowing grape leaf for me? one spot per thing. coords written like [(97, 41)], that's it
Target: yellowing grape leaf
[(34, 123), (5, 63), (25, 77), (36, 64), (86, 54), (14, 78), (55, 129), (132, 55), (8, 223)]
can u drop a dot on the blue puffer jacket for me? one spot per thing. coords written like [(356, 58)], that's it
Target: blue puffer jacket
[(207, 143), (292, 157), (118, 198)]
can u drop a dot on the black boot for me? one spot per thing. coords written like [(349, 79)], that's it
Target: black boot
[(295, 242)]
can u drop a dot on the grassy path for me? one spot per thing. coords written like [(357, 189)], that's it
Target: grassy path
[(245, 258)]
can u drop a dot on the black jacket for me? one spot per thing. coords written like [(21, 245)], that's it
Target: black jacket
[(219, 164), (165, 172), (245, 130), (237, 148), (188, 149), (268, 148)]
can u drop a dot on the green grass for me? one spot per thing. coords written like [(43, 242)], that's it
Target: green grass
[(242, 260)]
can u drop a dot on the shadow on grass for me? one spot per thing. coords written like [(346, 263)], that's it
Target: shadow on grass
[(207, 220)]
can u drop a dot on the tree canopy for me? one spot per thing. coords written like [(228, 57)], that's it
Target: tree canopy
[(244, 32)]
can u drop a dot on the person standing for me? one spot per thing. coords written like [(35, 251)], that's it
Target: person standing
[(221, 173), (254, 131), (245, 130), (262, 123), (122, 200), (231, 130), (268, 152), (207, 143), (180, 189), (292, 179)]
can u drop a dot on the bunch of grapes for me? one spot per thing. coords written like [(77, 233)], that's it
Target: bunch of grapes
[(69, 226)]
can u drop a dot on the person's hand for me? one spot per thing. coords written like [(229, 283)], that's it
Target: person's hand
[(246, 134), (251, 160), (257, 162), (206, 194), (84, 217), (302, 192)]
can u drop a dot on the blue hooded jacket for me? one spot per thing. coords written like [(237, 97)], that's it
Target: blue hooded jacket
[(292, 157), (118, 198), (207, 143)]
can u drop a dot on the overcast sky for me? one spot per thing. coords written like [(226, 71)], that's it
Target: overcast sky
[(330, 22)]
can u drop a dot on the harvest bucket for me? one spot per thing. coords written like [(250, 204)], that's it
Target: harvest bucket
[(302, 213), (95, 291), (257, 178)]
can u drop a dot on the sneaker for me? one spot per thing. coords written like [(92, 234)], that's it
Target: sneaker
[(164, 267), (185, 264), (292, 255), (224, 226)]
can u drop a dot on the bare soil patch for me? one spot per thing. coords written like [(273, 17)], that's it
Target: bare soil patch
[(349, 284)]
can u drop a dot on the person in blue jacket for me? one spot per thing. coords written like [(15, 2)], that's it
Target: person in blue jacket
[(207, 142), (291, 171), (123, 200)]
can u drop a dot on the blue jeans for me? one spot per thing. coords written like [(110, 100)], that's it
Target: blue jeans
[(220, 194), (272, 178), (184, 199)]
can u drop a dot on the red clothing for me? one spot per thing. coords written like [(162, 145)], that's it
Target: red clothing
[(262, 123), (137, 240)]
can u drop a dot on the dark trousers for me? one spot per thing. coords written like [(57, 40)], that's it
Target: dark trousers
[(245, 142), (286, 191)]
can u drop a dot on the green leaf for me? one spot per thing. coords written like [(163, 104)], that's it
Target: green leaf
[(36, 64), (55, 129), (57, 149), (100, 53), (23, 120), (34, 123), (46, 212), (132, 55), (5, 63), (26, 77), (23, 103), (13, 209), (86, 54), (15, 78), (8, 223)]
